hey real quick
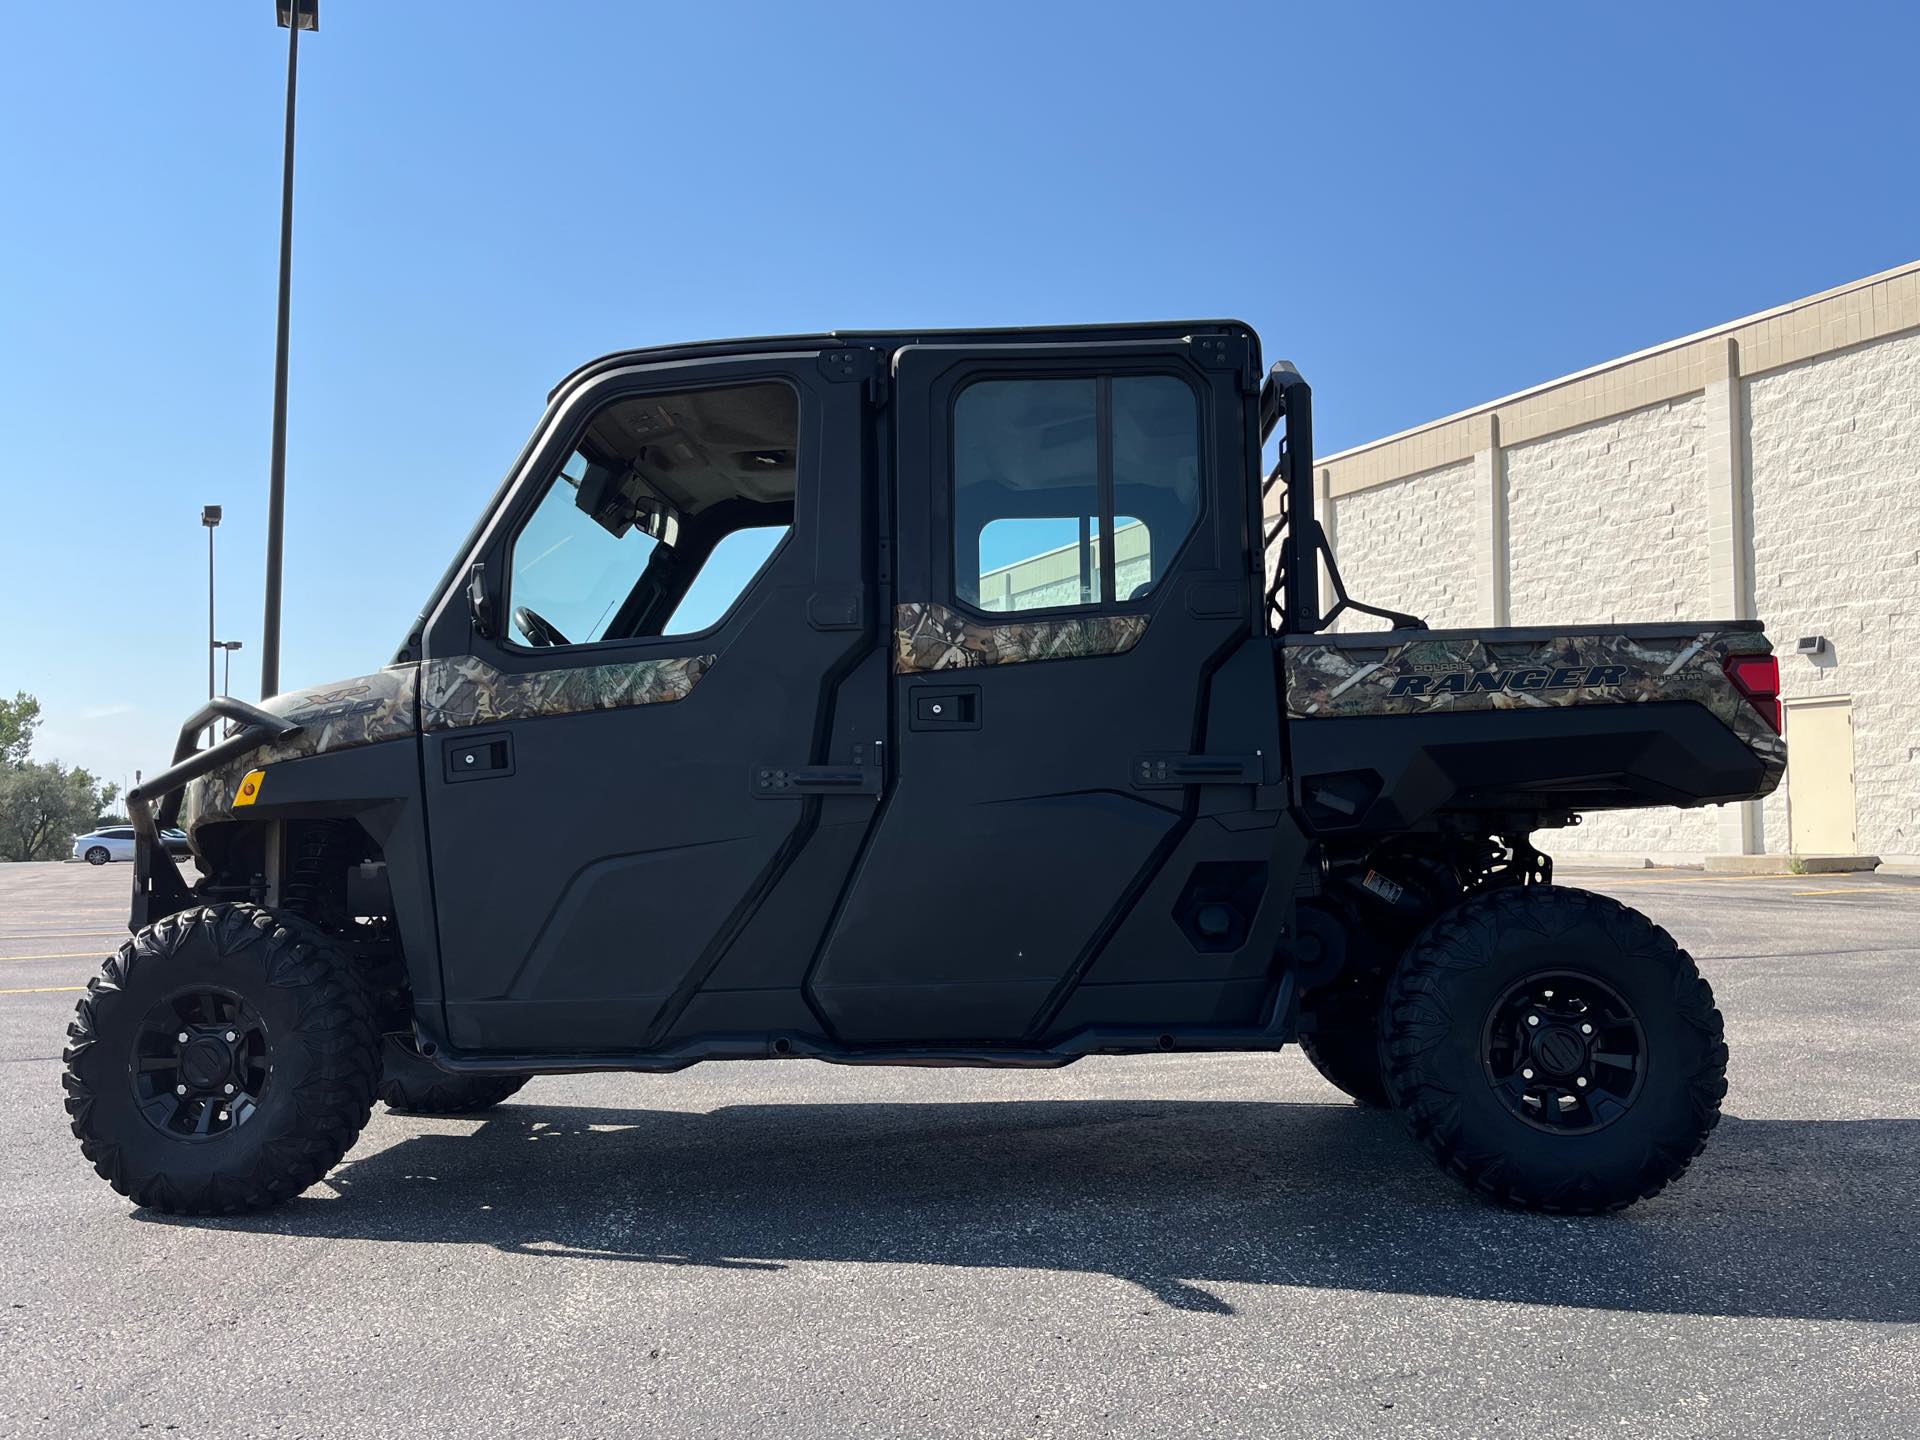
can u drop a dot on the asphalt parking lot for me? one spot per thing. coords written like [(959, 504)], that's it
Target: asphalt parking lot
[(1152, 1246)]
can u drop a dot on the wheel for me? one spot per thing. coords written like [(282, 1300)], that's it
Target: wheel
[(98, 855), (1554, 1050), (419, 1087), (223, 1060), (1344, 1044)]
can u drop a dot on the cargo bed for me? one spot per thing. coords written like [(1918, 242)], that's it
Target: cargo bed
[(1528, 718)]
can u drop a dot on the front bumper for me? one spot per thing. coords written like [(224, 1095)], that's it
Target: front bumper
[(158, 888)]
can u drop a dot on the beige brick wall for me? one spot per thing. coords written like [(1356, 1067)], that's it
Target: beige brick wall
[(1834, 460), (1407, 546), (1608, 523)]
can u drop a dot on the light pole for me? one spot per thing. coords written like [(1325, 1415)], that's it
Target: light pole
[(210, 517), (293, 16), (226, 668)]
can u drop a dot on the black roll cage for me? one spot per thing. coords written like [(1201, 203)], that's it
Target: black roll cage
[(1294, 596), (157, 884)]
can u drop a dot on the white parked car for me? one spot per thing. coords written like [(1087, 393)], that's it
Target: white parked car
[(115, 842), (99, 846)]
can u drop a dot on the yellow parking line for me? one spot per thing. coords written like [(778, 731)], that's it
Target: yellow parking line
[(1695, 879), (64, 934), (1860, 890), (67, 955), (43, 990)]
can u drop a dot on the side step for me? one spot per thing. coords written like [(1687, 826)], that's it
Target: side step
[(1131, 1040)]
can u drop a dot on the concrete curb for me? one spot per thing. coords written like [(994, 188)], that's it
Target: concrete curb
[(1790, 864)]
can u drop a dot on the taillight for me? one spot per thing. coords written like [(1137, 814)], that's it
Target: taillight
[(1758, 678)]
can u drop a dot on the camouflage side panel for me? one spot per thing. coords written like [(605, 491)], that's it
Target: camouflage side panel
[(927, 636), (1424, 676), (363, 711), (467, 691)]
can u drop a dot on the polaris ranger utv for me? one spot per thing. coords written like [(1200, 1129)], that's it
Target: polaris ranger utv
[(921, 699)]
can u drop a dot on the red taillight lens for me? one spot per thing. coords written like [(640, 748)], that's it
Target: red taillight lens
[(1758, 678)]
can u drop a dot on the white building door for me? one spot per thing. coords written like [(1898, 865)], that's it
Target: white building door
[(1820, 776)]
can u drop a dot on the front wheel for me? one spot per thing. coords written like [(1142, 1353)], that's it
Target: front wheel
[(223, 1060), (97, 855), (1554, 1049)]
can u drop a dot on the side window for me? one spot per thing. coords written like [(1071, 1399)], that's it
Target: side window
[(1060, 483), (660, 519)]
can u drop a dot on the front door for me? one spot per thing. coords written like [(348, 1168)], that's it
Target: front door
[(650, 760), (1072, 565)]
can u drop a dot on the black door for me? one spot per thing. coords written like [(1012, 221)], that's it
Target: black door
[(1072, 528), (646, 785)]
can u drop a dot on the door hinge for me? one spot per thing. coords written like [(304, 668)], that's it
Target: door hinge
[(1232, 351), (857, 362)]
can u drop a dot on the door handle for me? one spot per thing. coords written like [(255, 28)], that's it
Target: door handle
[(483, 757), (948, 707)]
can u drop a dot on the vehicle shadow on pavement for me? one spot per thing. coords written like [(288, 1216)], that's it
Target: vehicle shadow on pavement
[(1780, 1218)]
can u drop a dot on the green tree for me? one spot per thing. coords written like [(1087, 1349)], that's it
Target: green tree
[(43, 805), (19, 717)]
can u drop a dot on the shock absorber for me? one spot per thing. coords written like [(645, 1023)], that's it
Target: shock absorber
[(318, 854)]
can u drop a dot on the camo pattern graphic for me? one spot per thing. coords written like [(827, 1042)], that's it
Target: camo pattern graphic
[(1424, 676), (365, 710), (468, 691), (927, 636)]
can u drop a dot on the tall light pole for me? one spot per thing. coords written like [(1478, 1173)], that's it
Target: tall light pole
[(226, 669), (210, 517), (293, 17)]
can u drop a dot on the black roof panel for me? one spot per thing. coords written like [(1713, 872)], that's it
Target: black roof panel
[(896, 339)]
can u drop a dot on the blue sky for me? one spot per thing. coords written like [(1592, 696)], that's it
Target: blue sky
[(1425, 206)]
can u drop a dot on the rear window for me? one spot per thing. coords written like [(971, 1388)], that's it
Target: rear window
[(1071, 491)]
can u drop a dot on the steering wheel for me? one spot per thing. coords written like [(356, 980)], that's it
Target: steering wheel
[(538, 631)]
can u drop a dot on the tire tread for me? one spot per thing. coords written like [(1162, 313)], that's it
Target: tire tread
[(332, 1103), (1415, 1017)]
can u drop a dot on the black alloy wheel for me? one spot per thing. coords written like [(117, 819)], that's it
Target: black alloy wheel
[(1564, 1052), (201, 1064)]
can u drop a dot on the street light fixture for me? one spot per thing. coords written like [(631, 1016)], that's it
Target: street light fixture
[(293, 16), (210, 517), (226, 669)]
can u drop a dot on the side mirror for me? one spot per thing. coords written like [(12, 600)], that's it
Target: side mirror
[(479, 603)]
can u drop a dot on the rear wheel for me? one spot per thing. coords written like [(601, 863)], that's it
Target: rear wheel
[(419, 1087), (223, 1060), (1554, 1050), (1344, 1043)]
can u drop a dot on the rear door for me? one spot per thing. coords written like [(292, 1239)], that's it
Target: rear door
[(1071, 565), (646, 785)]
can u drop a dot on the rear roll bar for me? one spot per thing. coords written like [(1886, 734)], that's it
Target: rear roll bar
[(1294, 596), (1286, 395), (157, 885)]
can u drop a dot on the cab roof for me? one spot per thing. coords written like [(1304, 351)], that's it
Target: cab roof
[(891, 340)]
